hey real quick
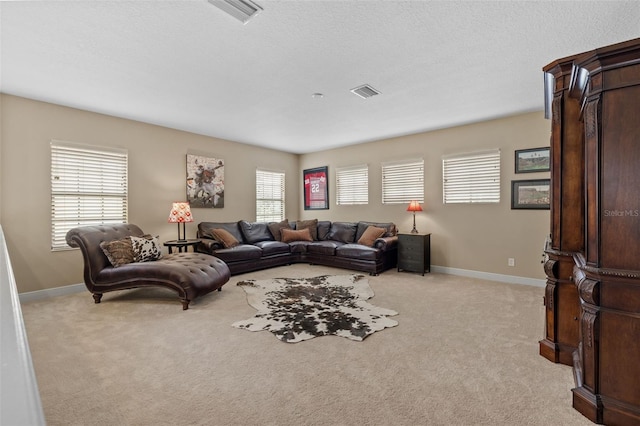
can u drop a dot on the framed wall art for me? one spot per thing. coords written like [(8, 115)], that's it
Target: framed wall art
[(533, 160), (316, 188), (530, 194), (205, 181)]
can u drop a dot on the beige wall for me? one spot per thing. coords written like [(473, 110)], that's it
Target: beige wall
[(157, 159), (472, 237), (477, 237)]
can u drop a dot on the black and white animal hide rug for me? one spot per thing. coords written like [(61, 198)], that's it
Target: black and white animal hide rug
[(297, 309)]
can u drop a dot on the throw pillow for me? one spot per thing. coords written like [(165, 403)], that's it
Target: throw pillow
[(145, 249), (275, 228), (224, 237), (370, 235), (290, 235), (119, 252), (312, 225)]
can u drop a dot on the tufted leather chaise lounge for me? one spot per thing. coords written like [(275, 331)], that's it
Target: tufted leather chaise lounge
[(189, 274)]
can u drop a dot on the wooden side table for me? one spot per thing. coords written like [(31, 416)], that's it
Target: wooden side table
[(182, 245), (414, 252)]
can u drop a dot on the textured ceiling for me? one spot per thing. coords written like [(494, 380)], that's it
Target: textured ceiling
[(187, 65)]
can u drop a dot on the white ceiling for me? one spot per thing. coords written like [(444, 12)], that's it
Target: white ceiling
[(187, 65)]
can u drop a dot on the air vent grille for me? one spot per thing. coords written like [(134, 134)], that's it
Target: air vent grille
[(365, 91), (243, 10)]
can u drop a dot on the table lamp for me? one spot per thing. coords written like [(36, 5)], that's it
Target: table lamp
[(414, 207), (181, 213)]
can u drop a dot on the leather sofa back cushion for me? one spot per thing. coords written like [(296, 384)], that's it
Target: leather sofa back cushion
[(224, 237), (312, 225), (290, 235), (275, 227), (390, 228), (254, 232), (342, 231), (370, 235), (204, 229), (324, 226)]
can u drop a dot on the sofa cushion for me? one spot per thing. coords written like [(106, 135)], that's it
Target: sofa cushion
[(312, 225), (273, 247), (327, 248), (275, 227), (119, 252), (145, 249), (342, 231), (290, 235), (358, 251), (370, 235), (298, 246), (389, 226), (224, 237), (204, 229), (254, 232), (324, 226), (242, 252)]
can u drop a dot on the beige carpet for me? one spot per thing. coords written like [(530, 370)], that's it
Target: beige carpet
[(465, 352)]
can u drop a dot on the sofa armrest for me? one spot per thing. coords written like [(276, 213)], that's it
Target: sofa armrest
[(208, 245), (386, 243)]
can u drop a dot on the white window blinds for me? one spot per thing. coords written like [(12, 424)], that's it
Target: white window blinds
[(269, 196), (88, 187), (472, 177), (403, 181), (352, 185)]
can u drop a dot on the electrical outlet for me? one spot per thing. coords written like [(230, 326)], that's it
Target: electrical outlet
[(511, 261)]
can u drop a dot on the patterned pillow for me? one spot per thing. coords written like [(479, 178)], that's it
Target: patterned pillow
[(370, 235), (145, 250), (289, 235), (224, 237), (119, 252)]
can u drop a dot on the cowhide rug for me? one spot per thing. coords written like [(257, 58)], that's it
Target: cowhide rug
[(297, 309)]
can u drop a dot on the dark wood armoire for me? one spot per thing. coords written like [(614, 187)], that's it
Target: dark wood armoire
[(592, 297)]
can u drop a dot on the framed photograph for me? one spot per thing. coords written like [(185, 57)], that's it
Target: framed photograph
[(533, 160), (530, 194), (316, 188), (205, 181)]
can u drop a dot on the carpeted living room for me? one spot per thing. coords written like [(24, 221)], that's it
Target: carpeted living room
[(334, 101)]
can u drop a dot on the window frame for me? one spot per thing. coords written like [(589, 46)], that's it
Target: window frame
[(352, 185), (479, 184), (403, 181), (281, 199), (89, 186)]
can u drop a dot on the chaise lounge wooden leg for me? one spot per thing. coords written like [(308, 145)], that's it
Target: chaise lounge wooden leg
[(97, 297), (185, 304)]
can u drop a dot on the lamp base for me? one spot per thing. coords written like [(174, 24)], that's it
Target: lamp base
[(414, 231)]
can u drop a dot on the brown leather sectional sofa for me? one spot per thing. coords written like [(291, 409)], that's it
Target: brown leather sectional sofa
[(333, 244)]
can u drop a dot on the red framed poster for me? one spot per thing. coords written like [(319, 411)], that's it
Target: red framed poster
[(316, 188)]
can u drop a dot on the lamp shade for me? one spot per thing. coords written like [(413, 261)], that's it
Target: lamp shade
[(180, 213), (414, 206)]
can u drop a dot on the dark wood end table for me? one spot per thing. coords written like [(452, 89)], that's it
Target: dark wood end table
[(182, 245)]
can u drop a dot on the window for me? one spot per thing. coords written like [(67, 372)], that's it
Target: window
[(352, 185), (471, 178), (269, 196), (403, 181), (88, 187)]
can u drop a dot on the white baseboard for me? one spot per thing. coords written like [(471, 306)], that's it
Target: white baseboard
[(32, 296), (510, 279)]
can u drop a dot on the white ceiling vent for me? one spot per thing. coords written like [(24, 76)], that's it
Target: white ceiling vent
[(365, 91), (242, 10)]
